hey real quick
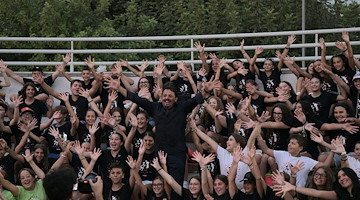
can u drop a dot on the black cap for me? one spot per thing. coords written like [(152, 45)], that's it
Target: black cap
[(37, 69), (249, 177)]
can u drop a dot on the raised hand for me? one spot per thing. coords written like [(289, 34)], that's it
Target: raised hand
[(143, 66), (208, 159), (50, 101), (28, 156), (66, 59), (291, 39), (142, 149), (78, 149), (213, 56), (350, 128), (2, 66), (93, 128), (131, 162), (242, 45), (340, 45), (90, 62), (112, 83), (265, 115), (259, 50), (155, 164), (199, 48), (318, 138), (133, 120), (17, 101), (237, 154), (345, 36), (322, 43), (162, 157), (112, 96), (338, 145), (95, 154), (278, 177), (197, 157), (297, 167), (158, 70), (230, 108), (242, 71), (53, 131), (64, 96)]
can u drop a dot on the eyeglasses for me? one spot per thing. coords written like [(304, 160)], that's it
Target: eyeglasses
[(319, 174), (157, 184), (276, 113)]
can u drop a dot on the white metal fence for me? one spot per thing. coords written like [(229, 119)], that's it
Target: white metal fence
[(191, 38)]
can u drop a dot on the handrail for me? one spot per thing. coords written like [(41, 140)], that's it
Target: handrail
[(191, 50)]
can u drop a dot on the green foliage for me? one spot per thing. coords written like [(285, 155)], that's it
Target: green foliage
[(118, 18)]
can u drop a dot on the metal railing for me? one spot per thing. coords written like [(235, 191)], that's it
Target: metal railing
[(190, 49)]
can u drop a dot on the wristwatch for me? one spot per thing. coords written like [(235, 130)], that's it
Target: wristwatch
[(343, 153)]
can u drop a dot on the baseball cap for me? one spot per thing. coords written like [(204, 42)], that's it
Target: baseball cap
[(356, 76), (37, 69), (249, 177), (26, 109)]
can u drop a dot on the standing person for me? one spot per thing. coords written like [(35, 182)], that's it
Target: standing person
[(37, 72), (170, 118)]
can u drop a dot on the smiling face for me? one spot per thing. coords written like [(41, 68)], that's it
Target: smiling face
[(39, 154), (220, 187), (148, 142), (317, 66), (116, 175), (213, 103), (320, 177), (142, 120), (340, 114), (338, 63), (310, 68), (30, 91), (285, 88), (144, 83), (357, 83), (268, 65), (194, 186), (158, 187), (27, 180), (249, 187), (315, 84), (90, 117), (26, 117), (277, 114), (344, 180), (237, 65), (117, 116), (85, 75), (168, 99), (115, 142)]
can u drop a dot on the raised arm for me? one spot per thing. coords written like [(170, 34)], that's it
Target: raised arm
[(29, 158), (6, 82), (291, 39), (323, 194), (246, 56), (348, 52), (323, 53), (203, 136), (257, 52)]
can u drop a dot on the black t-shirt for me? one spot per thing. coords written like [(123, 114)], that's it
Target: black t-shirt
[(355, 99), (225, 196), (349, 140), (137, 140), (53, 144), (150, 195), (84, 136), (80, 106), (38, 89), (106, 159), (258, 105), (6, 136), (312, 146), (75, 162), (185, 193), (346, 75), (270, 194), (38, 107), (19, 134), (213, 167), (254, 196), (184, 87), (241, 80), (328, 85), (321, 104), (146, 171), (7, 164), (270, 82), (123, 193)]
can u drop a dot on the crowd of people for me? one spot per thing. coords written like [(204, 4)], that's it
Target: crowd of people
[(126, 140)]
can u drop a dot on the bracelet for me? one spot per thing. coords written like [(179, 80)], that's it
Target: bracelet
[(344, 50), (203, 168), (294, 175), (159, 169)]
